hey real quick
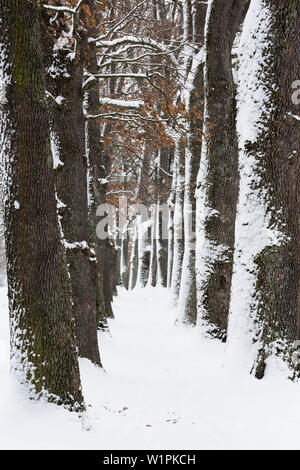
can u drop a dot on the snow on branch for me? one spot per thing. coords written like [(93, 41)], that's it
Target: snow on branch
[(144, 42), (66, 9), (58, 101), (116, 27), (118, 75), (120, 116), (134, 104), (295, 116), (93, 77)]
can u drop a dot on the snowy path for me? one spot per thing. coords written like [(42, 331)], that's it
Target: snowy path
[(164, 388)]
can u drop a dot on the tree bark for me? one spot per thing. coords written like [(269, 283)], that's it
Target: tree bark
[(194, 105), (162, 217), (124, 259), (153, 253), (178, 233), (68, 127), (219, 177), (277, 291), (134, 257), (43, 346), (144, 247)]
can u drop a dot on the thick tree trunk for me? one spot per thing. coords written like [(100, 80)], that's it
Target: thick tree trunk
[(218, 178), (265, 308), (72, 191), (43, 346)]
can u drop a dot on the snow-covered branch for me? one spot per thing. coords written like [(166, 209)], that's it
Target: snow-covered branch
[(144, 42), (133, 104), (65, 9), (116, 27)]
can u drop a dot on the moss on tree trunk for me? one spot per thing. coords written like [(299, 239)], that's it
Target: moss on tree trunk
[(43, 346)]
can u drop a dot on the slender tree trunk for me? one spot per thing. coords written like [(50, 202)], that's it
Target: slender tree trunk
[(171, 205), (99, 165), (153, 254), (43, 347), (96, 189), (188, 291), (161, 221), (124, 259), (178, 219), (144, 253), (162, 244), (134, 257), (109, 263), (218, 178), (194, 105)]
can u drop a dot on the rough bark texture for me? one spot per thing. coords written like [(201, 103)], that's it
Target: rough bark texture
[(134, 258), (144, 254), (162, 215), (68, 126), (178, 219), (277, 300), (222, 178), (188, 290), (42, 327), (170, 238), (162, 247), (99, 165), (153, 255), (98, 162), (124, 261), (97, 196)]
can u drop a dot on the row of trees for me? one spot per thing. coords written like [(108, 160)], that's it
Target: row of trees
[(238, 275), (149, 100)]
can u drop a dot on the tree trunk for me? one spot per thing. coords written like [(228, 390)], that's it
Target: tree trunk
[(108, 283), (162, 244), (153, 253), (97, 190), (124, 259), (218, 177), (178, 249), (194, 105), (43, 347), (161, 220), (144, 253), (134, 257), (72, 191), (266, 307), (171, 204)]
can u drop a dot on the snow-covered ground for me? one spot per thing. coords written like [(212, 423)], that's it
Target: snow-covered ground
[(164, 387)]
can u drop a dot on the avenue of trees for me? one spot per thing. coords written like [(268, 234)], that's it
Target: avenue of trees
[(183, 107)]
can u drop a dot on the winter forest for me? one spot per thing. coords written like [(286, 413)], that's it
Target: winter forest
[(150, 224)]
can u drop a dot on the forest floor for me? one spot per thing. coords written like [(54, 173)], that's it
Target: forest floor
[(164, 387)]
